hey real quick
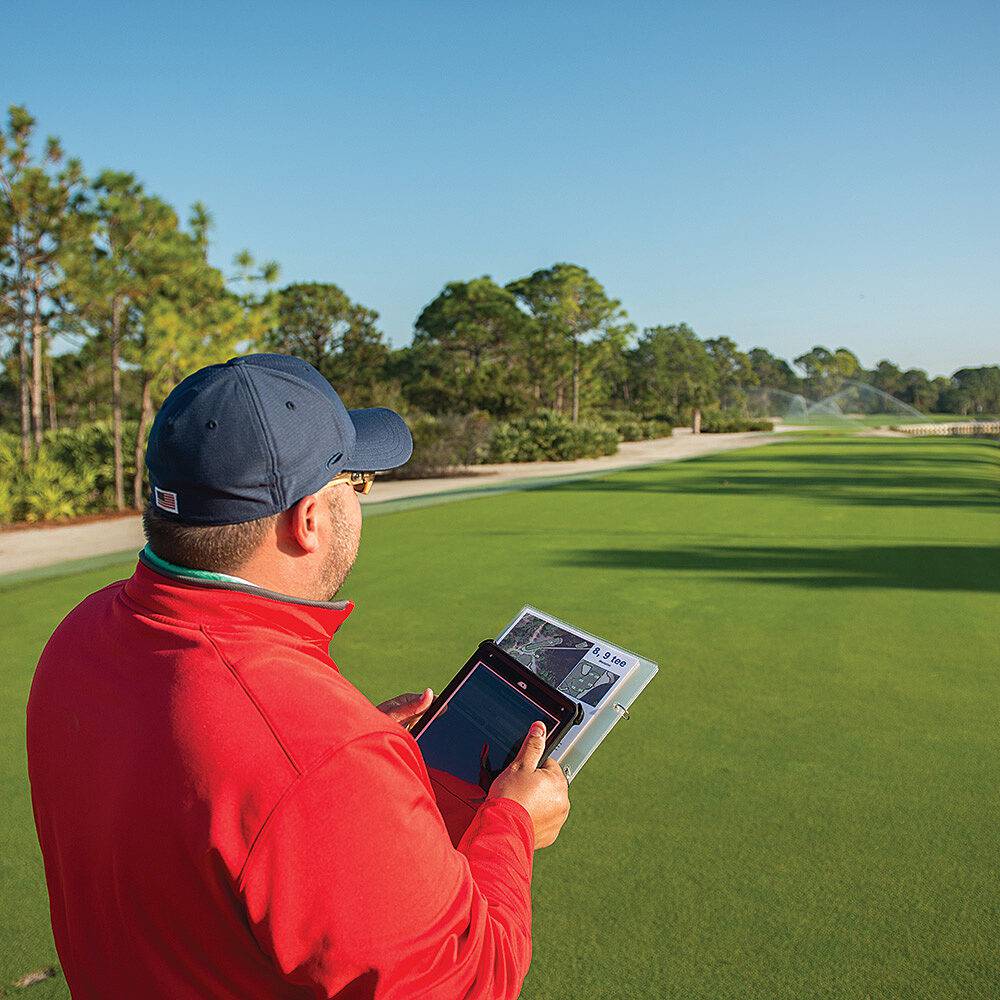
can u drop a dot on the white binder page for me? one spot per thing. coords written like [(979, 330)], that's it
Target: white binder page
[(604, 679), (577, 664)]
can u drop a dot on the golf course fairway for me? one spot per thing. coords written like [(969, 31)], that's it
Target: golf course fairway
[(804, 801)]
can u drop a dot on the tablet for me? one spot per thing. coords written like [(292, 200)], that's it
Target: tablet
[(475, 727)]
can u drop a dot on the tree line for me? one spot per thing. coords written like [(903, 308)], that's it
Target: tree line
[(107, 299)]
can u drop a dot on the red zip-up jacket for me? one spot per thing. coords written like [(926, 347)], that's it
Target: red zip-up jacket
[(222, 815)]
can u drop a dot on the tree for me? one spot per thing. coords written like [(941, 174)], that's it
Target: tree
[(191, 320), (576, 325), (887, 377), (84, 381), (917, 389), (469, 349), (136, 244), (39, 217), (976, 391), (847, 365), (15, 158), (318, 322), (941, 386), (773, 372), (250, 282), (674, 373), (817, 365), (11, 329), (734, 373), (111, 265), (826, 371)]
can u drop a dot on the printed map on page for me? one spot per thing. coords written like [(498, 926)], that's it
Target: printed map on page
[(576, 664)]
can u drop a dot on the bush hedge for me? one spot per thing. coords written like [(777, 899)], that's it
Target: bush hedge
[(73, 471), (631, 427), (548, 436), (716, 422), (443, 444), (71, 474)]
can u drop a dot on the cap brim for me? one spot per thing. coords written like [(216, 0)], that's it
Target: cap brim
[(383, 440)]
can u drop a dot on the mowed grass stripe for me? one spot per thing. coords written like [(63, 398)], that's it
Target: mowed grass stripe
[(803, 803)]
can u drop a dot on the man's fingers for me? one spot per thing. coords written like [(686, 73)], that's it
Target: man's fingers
[(553, 766), (533, 747), (405, 707), (400, 703), (418, 704)]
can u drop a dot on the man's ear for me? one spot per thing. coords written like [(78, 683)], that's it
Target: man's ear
[(303, 522)]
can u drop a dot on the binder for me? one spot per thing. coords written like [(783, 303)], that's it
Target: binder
[(523, 638)]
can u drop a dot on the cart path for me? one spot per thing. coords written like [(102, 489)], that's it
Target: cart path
[(23, 549)]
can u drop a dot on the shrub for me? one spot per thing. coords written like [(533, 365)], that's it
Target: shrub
[(10, 450), (9, 501), (71, 474), (640, 429), (49, 491), (548, 436), (718, 422), (90, 448), (632, 426), (442, 444)]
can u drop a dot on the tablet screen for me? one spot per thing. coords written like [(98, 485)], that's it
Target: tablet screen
[(478, 732)]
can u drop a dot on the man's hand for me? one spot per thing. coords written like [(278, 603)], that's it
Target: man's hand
[(543, 791), (407, 708)]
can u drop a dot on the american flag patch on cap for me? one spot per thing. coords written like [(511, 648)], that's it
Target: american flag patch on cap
[(165, 499)]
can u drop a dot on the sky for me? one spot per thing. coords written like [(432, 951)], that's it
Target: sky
[(786, 174)]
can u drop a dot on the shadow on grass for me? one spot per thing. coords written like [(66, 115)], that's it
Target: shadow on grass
[(862, 489), (895, 459), (879, 477), (974, 568)]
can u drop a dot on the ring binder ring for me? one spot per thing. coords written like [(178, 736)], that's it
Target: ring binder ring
[(624, 711)]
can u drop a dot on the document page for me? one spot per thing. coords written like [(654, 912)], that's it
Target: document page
[(602, 678), (580, 665)]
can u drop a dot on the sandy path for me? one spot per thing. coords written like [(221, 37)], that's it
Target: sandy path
[(29, 548)]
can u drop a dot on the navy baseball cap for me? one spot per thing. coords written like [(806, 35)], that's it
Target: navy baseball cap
[(242, 440)]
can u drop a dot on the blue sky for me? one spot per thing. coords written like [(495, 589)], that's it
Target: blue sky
[(785, 174)]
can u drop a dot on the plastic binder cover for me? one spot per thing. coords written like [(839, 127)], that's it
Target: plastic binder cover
[(605, 679)]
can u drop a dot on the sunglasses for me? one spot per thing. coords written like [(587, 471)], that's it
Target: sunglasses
[(361, 482)]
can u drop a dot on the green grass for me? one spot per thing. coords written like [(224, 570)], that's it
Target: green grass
[(847, 421), (804, 803)]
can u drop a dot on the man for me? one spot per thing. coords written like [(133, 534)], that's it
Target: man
[(223, 815)]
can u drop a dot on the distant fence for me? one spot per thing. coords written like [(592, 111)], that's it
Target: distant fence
[(969, 428)]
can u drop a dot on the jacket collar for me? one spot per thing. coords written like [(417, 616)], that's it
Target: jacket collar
[(215, 603), (153, 561)]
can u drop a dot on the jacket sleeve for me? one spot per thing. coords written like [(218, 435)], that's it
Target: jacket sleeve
[(353, 881)]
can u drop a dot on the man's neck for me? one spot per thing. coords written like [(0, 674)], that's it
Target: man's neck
[(225, 580), (194, 574)]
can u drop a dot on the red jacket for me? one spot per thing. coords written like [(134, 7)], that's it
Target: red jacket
[(223, 815)]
